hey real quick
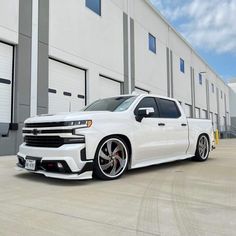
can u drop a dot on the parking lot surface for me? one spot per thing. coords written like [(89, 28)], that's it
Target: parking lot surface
[(181, 198)]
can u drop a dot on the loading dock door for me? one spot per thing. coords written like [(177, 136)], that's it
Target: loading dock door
[(6, 58), (141, 91), (66, 87), (188, 110), (109, 87)]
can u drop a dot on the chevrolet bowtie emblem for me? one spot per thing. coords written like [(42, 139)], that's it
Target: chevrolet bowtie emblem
[(35, 131)]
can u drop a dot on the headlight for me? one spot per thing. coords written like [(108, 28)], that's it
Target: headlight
[(80, 123)]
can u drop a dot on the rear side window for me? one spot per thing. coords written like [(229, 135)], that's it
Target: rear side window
[(168, 108), (147, 102)]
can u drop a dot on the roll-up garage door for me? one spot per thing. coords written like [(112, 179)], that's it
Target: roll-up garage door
[(215, 122), (188, 110), (109, 87), (6, 60), (66, 87), (141, 91)]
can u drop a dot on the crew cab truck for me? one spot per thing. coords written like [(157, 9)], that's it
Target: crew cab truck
[(112, 135)]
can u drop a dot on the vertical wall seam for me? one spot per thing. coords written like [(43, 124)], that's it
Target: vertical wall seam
[(125, 53), (132, 55), (168, 71), (207, 99), (43, 57), (171, 75), (218, 107), (226, 118), (192, 91)]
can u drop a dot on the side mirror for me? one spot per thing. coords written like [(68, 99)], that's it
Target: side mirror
[(144, 112)]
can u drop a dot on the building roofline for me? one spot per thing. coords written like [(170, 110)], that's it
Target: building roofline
[(232, 81), (182, 38)]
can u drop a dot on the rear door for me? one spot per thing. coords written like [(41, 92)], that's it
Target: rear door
[(176, 127)]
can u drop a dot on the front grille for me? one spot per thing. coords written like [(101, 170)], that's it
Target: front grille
[(44, 141), (52, 131), (46, 124), (51, 141)]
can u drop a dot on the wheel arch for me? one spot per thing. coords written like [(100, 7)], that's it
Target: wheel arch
[(206, 134), (127, 142), (208, 138)]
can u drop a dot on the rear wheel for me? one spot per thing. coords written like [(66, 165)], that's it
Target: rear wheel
[(203, 149), (111, 158)]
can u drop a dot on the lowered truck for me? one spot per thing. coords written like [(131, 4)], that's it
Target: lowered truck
[(112, 135)]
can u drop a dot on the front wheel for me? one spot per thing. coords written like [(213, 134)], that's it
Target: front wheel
[(111, 158), (203, 149)]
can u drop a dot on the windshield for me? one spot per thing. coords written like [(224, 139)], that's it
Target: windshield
[(115, 104)]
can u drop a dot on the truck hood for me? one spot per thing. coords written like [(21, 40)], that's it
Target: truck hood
[(70, 116)]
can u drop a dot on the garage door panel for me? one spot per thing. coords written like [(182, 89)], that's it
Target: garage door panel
[(141, 91), (188, 110), (76, 104), (69, 82), (109, 87), (6, 56), (57, 104)]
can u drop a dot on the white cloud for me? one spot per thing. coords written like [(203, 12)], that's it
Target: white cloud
[(206, 24)]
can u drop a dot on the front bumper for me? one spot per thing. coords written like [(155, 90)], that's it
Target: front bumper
[(71, 157)]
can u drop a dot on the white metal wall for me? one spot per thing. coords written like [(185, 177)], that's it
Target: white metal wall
[(97, 45)]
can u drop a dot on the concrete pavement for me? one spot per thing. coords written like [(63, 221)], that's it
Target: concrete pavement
[(183, 198)]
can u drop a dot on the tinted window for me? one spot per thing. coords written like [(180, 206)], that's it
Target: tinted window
[(147, 102), (152, 43), (181, 65), (168, 108), (111, 104), (94, 5)]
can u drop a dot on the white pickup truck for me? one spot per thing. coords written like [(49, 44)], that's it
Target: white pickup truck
[(112, 135)]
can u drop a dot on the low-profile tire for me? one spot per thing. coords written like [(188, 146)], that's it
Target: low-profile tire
[(111, 158), (202, 149)]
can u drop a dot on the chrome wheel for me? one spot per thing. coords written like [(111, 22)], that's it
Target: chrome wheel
[(112, 158), (203, 147)]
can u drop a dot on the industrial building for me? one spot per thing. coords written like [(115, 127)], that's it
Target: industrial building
[(232, 99), (57, 56)]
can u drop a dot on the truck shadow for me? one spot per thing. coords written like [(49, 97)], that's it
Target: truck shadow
[(179, 165), (33, 177)]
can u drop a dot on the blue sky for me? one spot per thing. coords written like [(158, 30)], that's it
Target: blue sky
[(209, 26)]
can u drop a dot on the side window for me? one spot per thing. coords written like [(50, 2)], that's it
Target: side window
[(94, 5), (181, 65), (168, 108), (147, 102), (152, 43)]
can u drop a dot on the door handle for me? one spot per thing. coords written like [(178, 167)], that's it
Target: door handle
[(183, 124), (161, 124)]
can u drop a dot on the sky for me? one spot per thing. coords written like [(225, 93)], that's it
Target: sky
[(209, 26)]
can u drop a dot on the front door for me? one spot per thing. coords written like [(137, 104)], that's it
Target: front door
[(150, 139)]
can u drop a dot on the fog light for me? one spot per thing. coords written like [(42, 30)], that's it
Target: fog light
[(59, 165)]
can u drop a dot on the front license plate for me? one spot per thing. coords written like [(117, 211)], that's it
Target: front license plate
[(30, 164)]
